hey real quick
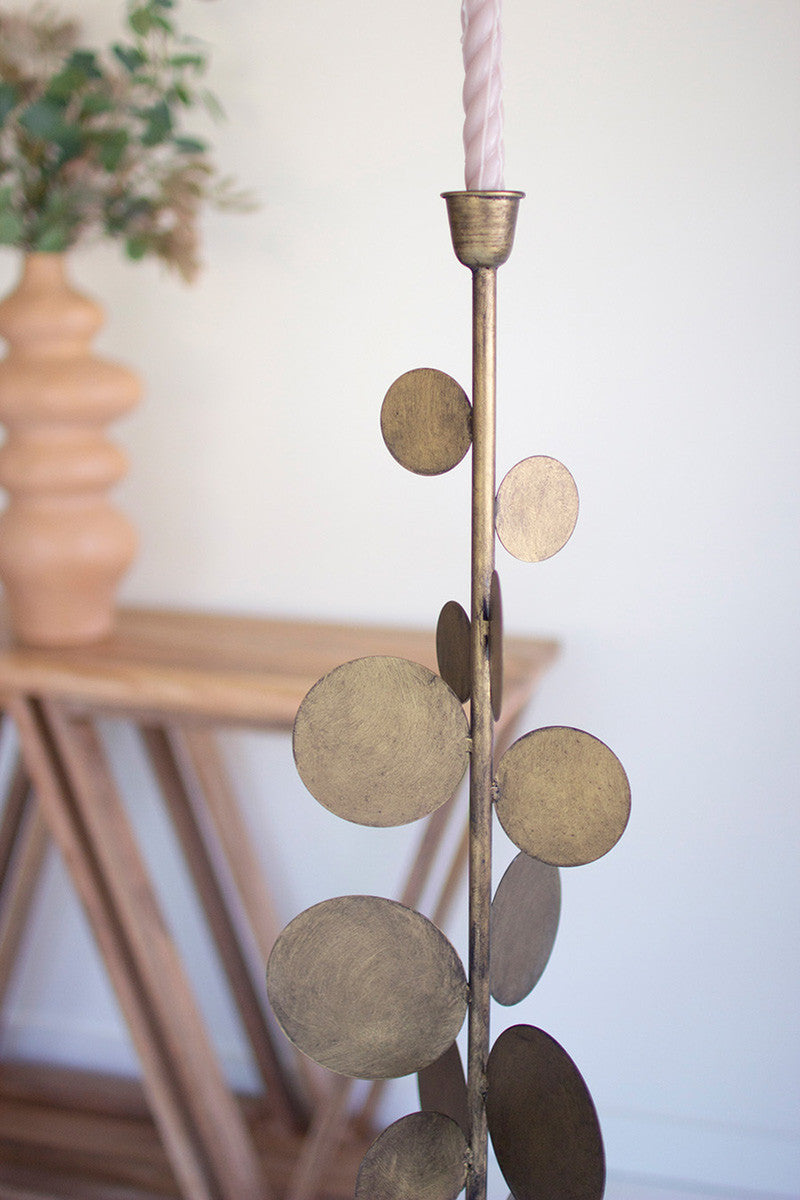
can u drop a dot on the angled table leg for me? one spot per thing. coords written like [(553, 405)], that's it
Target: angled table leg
[(203, 1130), (23, 844), (199, 848)]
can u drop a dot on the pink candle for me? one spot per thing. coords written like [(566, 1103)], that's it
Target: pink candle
[(483, 95)]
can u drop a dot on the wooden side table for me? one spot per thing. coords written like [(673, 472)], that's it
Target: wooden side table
[(182, 1132)]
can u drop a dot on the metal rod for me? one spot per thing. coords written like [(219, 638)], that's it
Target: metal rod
[(484, 294), (482, 227)]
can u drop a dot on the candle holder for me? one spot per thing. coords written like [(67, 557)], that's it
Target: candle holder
[(370, 988)]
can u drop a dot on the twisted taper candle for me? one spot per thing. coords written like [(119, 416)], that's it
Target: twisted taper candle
[(483, 95)]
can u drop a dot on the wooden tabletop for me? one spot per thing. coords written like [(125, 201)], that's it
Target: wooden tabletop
[(237, 670)]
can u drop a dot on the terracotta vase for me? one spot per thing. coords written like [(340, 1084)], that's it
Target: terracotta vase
[(63, 548)]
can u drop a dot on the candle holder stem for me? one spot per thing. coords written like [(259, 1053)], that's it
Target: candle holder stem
[(482, 228)]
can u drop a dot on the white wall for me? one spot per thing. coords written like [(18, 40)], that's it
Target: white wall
[(648, 338)]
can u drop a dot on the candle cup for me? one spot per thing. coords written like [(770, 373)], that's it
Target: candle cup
[(482, 226)]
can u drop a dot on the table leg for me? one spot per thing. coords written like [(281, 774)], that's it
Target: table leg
[(203, 860), (203, 1130), (23, 844)]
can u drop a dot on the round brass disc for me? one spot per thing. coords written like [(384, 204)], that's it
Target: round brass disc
[(537, 507), (496, 645), (423, 1155), (381, 741), (367, 987), (524, 922), (426, 421), (563, 796), (453, 649), (542, 1121), (443, 1088)]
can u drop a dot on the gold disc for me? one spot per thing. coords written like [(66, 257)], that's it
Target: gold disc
[(537, 507), (524, 922), (563, 796), (443, 1088), (423, 1155), (426, 421), (453, 649), (367, 987), (542, 1121), (496, 645), (381, 741)]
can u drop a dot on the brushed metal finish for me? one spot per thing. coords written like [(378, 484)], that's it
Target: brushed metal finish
[(443, 1088), (482, 226), (496, 645), (542, 1121), (420, 1157), (367, 987), (537, 508), (426, 421), (563, 796), (381, 741), (453, 649), (525, 913)]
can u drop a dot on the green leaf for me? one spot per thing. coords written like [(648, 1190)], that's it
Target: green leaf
[(136, 247), (180, 93), (112, 148), (159, 124), (141, 20), (8, 100), (86, 61), (130, 57), (213, 106), (188, 60), (53, 238), (190, 145), (11, 228), (96, 103), (44, 119)]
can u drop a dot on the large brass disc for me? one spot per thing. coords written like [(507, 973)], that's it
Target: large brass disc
[(542, 1121), (426, 421), (524, 922), (443, 1088), (496, 645), (453, 652), (367, 987), (381, 741), (563, 796), (537, 507), (423, 1155)]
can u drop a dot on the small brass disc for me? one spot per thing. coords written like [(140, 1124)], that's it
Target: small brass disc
[(496, 645), (381, 741), (367, 987), (563, 796), (537, 507), (542, 1121), (453, 649), (423, 1155), (524, 922), (443, 1088), (426, 421)]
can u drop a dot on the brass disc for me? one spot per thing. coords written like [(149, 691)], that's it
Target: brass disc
[(367, 987), (496, 645), (524, 922), (426, 421), (453, 652), (423, 1155), (563, 796), (381, 741), (443, 1088), (537, 507), (542, 1121)]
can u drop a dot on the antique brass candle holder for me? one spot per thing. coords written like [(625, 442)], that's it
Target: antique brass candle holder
[(372, 989)]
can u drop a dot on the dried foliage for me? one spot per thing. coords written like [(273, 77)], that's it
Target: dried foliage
[(91, 141)]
